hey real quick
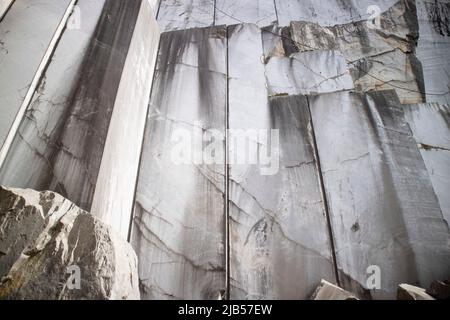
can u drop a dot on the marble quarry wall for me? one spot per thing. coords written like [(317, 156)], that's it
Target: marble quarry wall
[(138, 112)]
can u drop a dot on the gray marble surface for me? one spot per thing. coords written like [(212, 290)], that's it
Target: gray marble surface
[(311, 72), (430, 124), (185, 14), (259, 12), (179, 221), (433, 48), (114, 189), (28, 27), (60, 142), (382, 205)]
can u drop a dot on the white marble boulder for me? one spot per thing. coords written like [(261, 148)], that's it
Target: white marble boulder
[(50, 249)]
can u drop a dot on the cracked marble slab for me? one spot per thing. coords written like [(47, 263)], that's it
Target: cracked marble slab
[(179, 221), (60, 143), (278, 238), (4, 5), (259, 12), (430, 124), (311, 72), (28, 27), (383, 209), (185, 14), (433, 49), (379, 59)]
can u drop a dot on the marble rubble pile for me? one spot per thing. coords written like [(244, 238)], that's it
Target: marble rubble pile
[(359, 107), (46, 241)]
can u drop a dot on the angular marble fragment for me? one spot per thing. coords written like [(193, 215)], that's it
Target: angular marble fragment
[(259, 12), (58, 243), (433, 48), (179, 222), (60, 142), (279, 245), (185, 14), (385, 216), (328, 12), (379, 58), (312, 72), (114, 190), (430, 125), (409, 292), (27, 28), (329, 291)]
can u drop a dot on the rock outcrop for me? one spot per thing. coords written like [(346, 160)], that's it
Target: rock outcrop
[(51, 249)]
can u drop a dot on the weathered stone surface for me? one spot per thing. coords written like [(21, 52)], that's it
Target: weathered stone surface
[(439, 290), (27, 28), (430, 125), (279, 244), (383, 208), (114, 190), (328, 12), (329, 291), (259, 12), (179, 222), (60, 142), (380, 58), (409, 292), (433, 48), (313, 72), (54, 237), (185, 14)]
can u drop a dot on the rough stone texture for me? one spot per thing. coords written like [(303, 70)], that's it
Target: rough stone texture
[(409, 292), (311, 73), (430, 125), (379, 59), (179, 222), (54, 236), (329, 291), (383, 208), (61, 140)]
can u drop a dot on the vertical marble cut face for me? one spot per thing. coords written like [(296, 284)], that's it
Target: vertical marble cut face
[(179, 222), (28, 27), (382, 205), (259, 12), (433, 48), (114, 190), (430, 124), (185, 14), (279, 245), (60, 142)]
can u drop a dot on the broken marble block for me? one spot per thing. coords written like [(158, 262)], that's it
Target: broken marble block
[(329, 291), (53, 250), (409, 292), (440, 290)]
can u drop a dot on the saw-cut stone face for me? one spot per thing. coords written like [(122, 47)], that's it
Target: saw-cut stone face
[(53, 250)]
